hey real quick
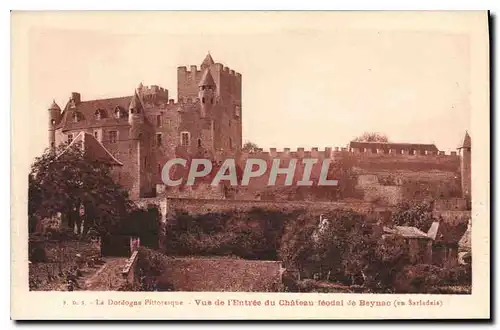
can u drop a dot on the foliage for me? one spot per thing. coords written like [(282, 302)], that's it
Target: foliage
[(65, 183), (372, 137), (252, 235), (417, 215), (249, 146), (420, 278), (349, 249), (151, 265)]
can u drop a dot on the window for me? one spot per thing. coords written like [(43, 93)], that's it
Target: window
[(113, 136), (75, 117), (185, 139), (159, 169), (96, 135), (199, 143), (53, 122), (70, 138), (212, 100), (118, 113), (203, 100), (159, 141), (230, 143), (158, 121)]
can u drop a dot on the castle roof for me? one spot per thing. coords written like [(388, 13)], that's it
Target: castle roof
[(467, 141), (135, 104), (464, 244), (92, 149), (406, 231), (54, 106), (207, 79), (447, 233), (208, 61), (87, 111), (390, 145)]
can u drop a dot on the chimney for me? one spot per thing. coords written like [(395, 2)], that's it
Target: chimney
[(76, 98)]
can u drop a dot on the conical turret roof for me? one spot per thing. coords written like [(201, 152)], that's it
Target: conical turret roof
[(467, 141), (208, 61), (207, 79), (54, 106), (135, 104)]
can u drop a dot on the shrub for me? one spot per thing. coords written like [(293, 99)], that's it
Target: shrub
[(420, 278), (37, 252)]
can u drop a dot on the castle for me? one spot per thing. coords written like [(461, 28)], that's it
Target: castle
[(140, 133), (146, 129)]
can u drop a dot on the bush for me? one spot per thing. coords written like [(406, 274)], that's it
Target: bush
[(37, 252), (458, 275), (251, 235), (421, 278)]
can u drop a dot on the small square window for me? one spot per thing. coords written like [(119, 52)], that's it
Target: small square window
[(70, 138)]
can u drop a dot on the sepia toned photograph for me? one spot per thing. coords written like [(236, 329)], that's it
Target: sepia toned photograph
[(332, 161)]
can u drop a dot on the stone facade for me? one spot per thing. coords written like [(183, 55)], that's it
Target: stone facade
[(147, 129)]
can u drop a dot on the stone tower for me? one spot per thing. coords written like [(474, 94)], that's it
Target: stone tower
[(54, 117), (465, 166), (136, 136), (206, 93)]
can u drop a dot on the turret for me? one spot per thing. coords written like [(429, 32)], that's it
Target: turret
[(135, 115), (465, 166), (54, 118), (207, 62), (206, 92)]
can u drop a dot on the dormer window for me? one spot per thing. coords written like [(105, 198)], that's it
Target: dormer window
[(75, 117), (99, 114), (53, 122), (119, 113)]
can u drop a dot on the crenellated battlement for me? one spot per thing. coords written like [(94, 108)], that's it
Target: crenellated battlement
[(226, 70), (153, 93), (328, 152), (193, 69)]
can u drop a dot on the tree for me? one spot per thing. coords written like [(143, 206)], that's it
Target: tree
[(372, 137), (250, 147), (417, 215), (71, 181)]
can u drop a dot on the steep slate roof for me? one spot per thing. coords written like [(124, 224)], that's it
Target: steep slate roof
[(93, 149), (54, 106), (87, 111), (450, 233), (389, 145), (208, 60), (464, 244), (406, 231), (136, 104), (467, 142), (207, 79)]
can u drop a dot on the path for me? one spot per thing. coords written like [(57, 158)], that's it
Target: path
[(107, 278)]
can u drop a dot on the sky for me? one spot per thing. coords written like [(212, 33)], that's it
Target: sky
[(306, 83)]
